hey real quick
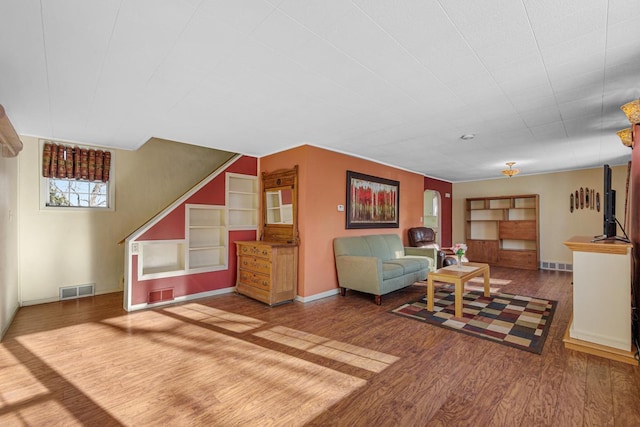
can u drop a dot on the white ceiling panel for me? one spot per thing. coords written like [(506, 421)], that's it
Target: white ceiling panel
[(539, 82), (24, 89)]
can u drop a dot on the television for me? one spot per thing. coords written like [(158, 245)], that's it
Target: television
[(609, 226), (609, 221)]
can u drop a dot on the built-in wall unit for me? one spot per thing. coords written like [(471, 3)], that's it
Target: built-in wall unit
[(503, 230), (187, 251)]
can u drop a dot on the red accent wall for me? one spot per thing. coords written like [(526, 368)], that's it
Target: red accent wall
[(634, 229), (172, 227), (446, 204)]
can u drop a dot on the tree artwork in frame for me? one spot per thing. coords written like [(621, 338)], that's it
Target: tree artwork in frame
[(372, 202)]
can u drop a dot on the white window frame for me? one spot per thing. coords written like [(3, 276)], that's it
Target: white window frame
[(44, 183)]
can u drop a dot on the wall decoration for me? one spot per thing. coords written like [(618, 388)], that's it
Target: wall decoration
[(372, 202), (581, 198), (587, 198), (598, 201), (577, 199), (571, 203)]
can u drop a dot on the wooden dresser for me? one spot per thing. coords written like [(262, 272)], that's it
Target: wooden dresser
[(267, 271)]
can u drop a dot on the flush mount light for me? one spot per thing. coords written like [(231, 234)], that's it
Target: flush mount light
[(510, 172), (467, 136)]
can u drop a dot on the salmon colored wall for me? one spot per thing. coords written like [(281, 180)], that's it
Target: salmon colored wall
[(172, 227), (446, 206), (322, 187), (634, 226)]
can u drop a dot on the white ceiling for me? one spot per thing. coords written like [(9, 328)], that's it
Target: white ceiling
[(539, 82)]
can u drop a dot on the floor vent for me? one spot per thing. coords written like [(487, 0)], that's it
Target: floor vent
[(160, 295), (80, 291)]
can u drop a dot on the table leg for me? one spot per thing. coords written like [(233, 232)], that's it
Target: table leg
[(430, 295), (486, 283), (458, 297)]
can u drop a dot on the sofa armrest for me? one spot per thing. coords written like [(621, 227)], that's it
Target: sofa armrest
[(426, 252), (359, 273)]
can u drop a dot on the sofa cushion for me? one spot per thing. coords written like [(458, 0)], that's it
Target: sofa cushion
[(351, 246), (385, 246), (391, 270), (411, 264)]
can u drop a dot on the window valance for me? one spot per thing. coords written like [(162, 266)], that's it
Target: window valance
[(66, 161)]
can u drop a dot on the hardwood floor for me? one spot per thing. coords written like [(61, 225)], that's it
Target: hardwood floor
[(339, 361)]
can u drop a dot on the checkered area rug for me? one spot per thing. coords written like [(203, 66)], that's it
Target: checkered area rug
[(517, 321)]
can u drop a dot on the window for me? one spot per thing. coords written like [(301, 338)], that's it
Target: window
[(76, 177), (77, 193)]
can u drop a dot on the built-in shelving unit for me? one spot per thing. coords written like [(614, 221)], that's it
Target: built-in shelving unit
[(503, 230), (242, 201), (160, 258), (183, 251), (206, 227)]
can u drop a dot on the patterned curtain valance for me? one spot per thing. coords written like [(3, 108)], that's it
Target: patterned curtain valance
[(65, 161)]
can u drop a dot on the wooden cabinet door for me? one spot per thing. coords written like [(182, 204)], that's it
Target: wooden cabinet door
[(482, 251)]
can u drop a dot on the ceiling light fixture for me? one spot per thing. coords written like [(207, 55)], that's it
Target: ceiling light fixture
[(510, 172), (626, 136), (467, 136), (632, 110)]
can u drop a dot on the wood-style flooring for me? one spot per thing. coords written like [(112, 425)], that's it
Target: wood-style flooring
[(340, 361)]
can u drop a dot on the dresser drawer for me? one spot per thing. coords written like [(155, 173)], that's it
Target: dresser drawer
[(252, 279), (257, 265), (263, 251)]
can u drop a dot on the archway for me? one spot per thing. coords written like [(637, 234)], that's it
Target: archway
[(431, 215)]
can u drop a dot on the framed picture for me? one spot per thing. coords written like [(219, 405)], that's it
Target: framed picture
[(372, 202)]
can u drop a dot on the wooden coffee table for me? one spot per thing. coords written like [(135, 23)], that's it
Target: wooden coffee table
[(457, 276)]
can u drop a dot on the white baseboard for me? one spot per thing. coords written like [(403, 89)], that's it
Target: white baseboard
[(183, 298), (298, 298), (5, 328), (39, 301), (57, 298), (315, 297)]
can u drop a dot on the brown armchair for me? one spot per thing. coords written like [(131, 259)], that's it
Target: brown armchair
[(424, 237)]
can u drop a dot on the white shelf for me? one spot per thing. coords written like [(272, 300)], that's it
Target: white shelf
[(160, 258), (206, 227), (242, 201)]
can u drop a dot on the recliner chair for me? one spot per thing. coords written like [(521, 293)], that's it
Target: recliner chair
[(424, 237)]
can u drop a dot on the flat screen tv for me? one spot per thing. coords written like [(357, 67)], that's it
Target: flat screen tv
[(609, 222), (609, 228)]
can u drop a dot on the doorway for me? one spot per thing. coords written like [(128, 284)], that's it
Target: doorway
[(431, 212)]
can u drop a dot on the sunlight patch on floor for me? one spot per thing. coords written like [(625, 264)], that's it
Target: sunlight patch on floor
[(19, 386), (215, 317), (371, 360), (152, 368)]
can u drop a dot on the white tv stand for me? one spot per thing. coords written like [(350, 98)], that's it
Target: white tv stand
[(601, 321)]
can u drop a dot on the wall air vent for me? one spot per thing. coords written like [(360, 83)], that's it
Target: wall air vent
[(160, 295), (79, 291)]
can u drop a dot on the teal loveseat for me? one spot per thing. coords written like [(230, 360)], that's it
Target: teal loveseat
[(379, 264)]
